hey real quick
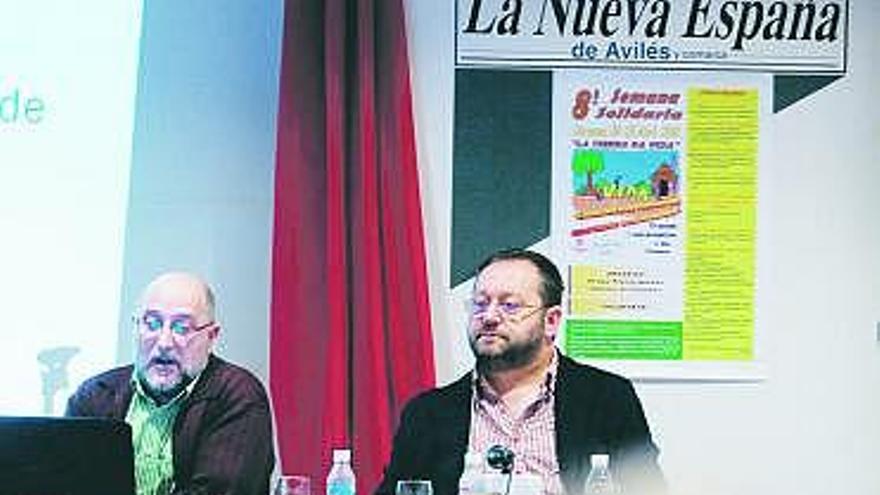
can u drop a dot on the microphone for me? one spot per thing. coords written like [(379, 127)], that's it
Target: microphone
[(501, 458)]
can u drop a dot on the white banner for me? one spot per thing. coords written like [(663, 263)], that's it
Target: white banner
[(791, 36)]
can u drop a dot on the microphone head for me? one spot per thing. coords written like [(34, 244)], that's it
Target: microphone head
[(501, 458)]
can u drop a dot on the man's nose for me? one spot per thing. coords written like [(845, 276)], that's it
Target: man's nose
[(165, 337), (492, 314)]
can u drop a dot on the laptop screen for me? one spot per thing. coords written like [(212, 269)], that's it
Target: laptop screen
[(65, 456)]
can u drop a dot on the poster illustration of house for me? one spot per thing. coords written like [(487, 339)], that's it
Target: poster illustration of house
[(616, 188)]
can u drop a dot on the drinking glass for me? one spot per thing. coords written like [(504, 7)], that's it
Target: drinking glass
[(293, 485), (414, 487)]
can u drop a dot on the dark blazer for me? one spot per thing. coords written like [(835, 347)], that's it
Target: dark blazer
[(596, 412), (222, 440)]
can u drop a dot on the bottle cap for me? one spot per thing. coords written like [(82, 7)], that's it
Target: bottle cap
[(599, 460), (341, 455)]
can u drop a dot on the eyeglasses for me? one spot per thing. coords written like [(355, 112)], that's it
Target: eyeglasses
[(152, 322), (509, 310)]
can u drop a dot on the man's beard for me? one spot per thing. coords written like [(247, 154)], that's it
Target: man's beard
[(516, 355), (163, 392)]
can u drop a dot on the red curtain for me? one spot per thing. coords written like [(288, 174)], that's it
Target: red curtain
[(350, 324)]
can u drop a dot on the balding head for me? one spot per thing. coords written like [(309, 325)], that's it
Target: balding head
[(180, 288)]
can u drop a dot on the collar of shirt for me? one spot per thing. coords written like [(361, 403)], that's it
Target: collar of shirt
[(482, 390)]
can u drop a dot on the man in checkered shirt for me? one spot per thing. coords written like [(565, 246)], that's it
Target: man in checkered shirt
[(523, 394)]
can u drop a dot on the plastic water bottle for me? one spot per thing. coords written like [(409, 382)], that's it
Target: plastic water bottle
[(599, 481), (471, 480), (340, 479)]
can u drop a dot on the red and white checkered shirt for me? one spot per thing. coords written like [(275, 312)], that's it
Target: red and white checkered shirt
[(531, 437)]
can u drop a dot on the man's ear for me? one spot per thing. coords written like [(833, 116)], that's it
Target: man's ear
[(552, 321)]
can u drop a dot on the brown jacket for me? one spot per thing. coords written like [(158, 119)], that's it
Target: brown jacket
[(222, 442)]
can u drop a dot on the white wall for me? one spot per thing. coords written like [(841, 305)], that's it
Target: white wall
[(203, 163), (813, 426)]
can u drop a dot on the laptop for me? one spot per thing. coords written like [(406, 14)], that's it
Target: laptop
[(65, 456)]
